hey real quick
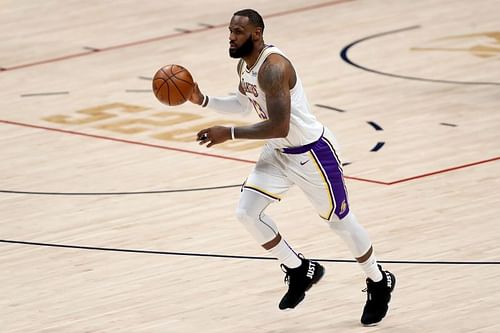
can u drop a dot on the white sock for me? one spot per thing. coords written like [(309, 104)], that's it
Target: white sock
[(286, 255), (371, 269)]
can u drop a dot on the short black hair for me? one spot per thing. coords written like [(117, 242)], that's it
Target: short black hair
[(253, 17)]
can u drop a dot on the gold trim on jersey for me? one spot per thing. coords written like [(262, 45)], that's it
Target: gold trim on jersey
[(248, 70), (241, 63), (261, 191)]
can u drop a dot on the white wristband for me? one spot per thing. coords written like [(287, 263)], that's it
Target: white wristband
[(232, 132), (229, 104), (205, 101)]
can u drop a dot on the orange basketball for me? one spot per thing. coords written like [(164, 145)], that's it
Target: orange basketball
[(173, 85)]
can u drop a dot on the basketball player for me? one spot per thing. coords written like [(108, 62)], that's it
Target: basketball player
[(299, 150)]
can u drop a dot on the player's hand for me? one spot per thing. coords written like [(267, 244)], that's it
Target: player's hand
[(213, 135), (196, 97)]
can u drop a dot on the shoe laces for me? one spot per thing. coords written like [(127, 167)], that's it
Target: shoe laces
[(371, 289), (368, 282), (368, 294), (286, 280), (368, 289), (287, 270)]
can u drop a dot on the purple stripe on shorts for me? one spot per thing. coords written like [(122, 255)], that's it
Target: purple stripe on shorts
[(332, 170), (302, 149)]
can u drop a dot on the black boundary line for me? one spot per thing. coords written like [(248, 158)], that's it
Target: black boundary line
[(89, 48), (448, 124), (227, 256), (329, 107), (46, 94), (206, 25), (376, 126), (345, 50), (122, 193), (145, 78), (186, 31), (378, 146)]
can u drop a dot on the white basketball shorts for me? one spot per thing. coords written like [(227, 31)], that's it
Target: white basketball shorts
[(315, 168)]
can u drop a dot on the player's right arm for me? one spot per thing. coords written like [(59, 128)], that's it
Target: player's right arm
[(233, 104)]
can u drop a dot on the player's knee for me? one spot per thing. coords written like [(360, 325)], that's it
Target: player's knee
[(340, 225), (333, 224), (244, 215), (333, 221)]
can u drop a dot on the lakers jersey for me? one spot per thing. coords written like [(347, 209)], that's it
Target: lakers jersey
[(304, 128)]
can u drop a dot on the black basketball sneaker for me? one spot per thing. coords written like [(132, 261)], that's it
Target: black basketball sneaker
[(299, 281), (378, 296)]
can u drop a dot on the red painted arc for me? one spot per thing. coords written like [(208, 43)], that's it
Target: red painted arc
[(373, 181)]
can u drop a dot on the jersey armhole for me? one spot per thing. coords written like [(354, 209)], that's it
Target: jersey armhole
[(240, 67), (291, 65)]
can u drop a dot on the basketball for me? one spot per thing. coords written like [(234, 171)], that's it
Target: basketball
[(173, 85)]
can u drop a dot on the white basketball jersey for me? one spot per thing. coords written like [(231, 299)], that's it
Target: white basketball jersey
[(304, 127)]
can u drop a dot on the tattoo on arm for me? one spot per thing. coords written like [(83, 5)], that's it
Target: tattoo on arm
[(273, 79)]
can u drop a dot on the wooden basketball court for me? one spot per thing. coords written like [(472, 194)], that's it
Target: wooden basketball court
[(113, 219)]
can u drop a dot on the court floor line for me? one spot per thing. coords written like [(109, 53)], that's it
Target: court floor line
[(163, 37), (230, 256), (178, 190), (345, 57), (373, 181), (428, 174)]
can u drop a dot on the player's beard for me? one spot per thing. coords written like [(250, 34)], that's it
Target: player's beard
[(245, 49)]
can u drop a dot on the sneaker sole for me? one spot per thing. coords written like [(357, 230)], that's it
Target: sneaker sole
[(393, 281)]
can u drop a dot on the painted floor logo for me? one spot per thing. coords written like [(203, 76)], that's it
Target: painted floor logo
[(484, 45), (136, 120)]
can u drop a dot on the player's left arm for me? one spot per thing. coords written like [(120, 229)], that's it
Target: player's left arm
[(274, 79)]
